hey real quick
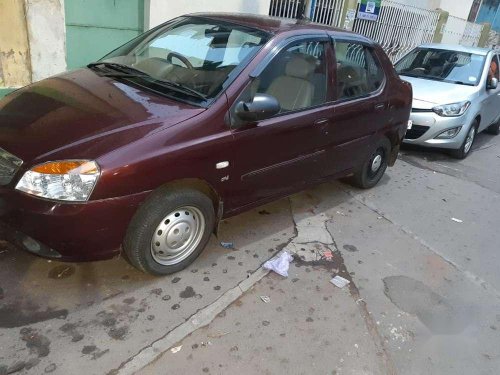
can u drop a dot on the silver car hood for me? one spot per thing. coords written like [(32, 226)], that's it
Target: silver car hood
[(428, 93)]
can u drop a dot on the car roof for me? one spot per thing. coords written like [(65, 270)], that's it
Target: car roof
[(458, 48), (277, 25)]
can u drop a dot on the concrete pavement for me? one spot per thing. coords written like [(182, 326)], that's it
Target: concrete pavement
[(424, 297)]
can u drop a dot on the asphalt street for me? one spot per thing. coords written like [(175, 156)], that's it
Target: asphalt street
[(420, 249)]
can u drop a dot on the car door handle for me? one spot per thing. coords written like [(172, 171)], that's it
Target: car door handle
[(379, 106), (321, 121)]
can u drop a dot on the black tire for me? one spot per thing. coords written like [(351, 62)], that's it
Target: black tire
[(138, 244), (462, 152), (494, 129), (366, 177)]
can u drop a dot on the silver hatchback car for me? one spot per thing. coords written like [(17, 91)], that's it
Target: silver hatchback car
[(455, 95)]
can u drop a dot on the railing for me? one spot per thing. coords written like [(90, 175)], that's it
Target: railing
[(460, 31), (399, 28), (286, 8), (493, 40), (328, 12)]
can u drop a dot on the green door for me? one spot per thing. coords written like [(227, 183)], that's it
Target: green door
[(96, 27)]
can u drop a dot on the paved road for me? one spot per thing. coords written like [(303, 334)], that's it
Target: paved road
[(424, 296)]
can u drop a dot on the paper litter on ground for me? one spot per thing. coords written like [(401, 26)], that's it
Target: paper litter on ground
[(265, 299), (176, 349), (280, 264), (457, 220), (339, 281)]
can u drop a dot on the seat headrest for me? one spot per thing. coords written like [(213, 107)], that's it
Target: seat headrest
[(299, 67)]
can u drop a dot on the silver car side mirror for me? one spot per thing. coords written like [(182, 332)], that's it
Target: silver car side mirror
[(492, 84)]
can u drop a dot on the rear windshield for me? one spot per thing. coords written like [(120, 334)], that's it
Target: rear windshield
[(442, 65)]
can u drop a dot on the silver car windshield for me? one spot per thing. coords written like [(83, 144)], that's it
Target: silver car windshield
[(442, 65)]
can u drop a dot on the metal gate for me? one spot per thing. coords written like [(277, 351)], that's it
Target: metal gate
[(460, 31), (399, 28), (286, 8), (328, 12)]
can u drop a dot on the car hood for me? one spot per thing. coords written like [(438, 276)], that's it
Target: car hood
[(82, 115), (428, 93)]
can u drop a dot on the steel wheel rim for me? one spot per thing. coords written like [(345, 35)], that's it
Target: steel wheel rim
[(177, 235), (376, 162), (470, 139)]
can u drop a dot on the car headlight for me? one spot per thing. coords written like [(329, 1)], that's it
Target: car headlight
[(453, 109), (450, 133), (68, 180)]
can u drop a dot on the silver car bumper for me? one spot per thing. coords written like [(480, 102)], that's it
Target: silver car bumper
[(428, 125)]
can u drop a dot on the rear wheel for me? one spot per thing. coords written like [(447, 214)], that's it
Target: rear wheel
[(374, 167), (494, 129), (169, 231), (466, 146)]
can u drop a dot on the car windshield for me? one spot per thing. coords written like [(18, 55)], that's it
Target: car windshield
[(189, 57), (442, 65)]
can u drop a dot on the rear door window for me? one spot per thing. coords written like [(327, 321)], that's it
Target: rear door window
[(358, 70)]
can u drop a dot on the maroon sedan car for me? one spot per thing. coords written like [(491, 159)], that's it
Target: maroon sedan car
[(196, 120)]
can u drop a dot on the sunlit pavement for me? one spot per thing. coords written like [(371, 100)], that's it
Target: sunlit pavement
[(424, 296)]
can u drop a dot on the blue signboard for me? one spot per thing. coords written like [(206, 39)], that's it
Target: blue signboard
[(369, 9)]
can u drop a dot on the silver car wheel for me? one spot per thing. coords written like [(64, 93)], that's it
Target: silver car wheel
[(470, 139), (178, 235)]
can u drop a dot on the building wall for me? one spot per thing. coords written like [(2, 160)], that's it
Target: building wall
[(158, 11), (14, 49), (457, 8), (47, 37)]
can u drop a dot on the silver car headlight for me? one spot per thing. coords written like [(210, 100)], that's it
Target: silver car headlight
[(67, 180), (453, 109)]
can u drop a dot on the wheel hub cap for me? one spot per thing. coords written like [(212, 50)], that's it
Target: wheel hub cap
[(470, 139), (376, 163), (178, 235)]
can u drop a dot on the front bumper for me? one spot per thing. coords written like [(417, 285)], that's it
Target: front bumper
[(428, 125), (67, 231)]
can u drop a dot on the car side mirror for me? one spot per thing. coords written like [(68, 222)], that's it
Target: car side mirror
[(492, 84), (262, 107)]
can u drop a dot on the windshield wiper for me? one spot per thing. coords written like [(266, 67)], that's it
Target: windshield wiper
[(126, 71), (181, 88), (130, 72)]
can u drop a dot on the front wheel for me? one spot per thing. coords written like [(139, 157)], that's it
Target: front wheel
[(374, 166), (169, 230), (466, 146), (494, 129)]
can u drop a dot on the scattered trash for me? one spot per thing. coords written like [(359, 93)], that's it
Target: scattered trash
[(227, 245), (379, 217), (176, 349), (341, 213), (217, 335), (280, 264), (206, 343), (328, 254), (339, 281), (457, 220), (265, 299)]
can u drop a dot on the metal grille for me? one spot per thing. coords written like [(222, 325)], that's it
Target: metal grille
[(460, 31), (328, 12), (493, 39), (416, 131), (399, 28), (286, 8)]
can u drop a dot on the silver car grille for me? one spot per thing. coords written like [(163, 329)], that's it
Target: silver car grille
[(9, 165)]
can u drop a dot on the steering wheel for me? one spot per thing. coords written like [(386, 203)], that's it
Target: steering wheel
[(178, 56)]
